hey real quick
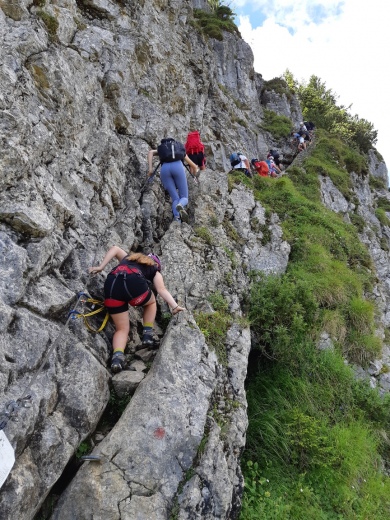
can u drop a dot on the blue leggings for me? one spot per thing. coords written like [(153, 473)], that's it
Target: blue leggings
[(174, 180)]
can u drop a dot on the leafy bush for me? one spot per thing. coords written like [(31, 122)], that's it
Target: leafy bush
[(205, 234), (278, 85), (319, 104), (358, 221), (382, 217), (281, 311), (384, 204), (213, 23), (218, 302)]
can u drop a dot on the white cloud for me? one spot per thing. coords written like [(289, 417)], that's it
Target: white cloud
[(347, 48)]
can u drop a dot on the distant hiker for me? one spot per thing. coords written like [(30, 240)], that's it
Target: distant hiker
[(173, 176), (238, 161), (276, 156), (261, 167), (195, 149), (273, 169), (304, 132), (299, 141), (310, 126), (129, 283), (301, 144), (306, 137), (302, 127)]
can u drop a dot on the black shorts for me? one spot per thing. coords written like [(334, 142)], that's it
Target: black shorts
[(121, 291), (198, 158)]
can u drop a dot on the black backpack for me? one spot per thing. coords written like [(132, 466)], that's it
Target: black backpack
[(309, 125), (274, 154), (170, 150)]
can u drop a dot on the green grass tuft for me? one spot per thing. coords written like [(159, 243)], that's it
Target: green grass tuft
[(214, 327), (51, 24), (205, 234), (278, 126)]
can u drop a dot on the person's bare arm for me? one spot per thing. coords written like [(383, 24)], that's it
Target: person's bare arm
[(193, 167), (151, 154), (113, 252), (158, 283)]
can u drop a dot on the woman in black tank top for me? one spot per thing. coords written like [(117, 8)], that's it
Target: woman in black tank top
[(130, 283)]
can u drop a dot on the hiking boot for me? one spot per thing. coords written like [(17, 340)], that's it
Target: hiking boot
[(117, 362), (183, 214), (147, 339)]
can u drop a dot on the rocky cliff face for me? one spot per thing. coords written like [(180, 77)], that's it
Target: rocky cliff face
[(87, 88)]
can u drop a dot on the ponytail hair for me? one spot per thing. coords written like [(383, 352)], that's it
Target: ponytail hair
[(140, 258)]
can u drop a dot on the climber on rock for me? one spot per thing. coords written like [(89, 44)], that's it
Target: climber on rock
[(239, 162), (173, 176), (129, 283), (299, 141), (274, 171), (195, 149), (261, 167), (276, 156)]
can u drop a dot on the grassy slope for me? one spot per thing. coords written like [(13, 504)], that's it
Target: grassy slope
[(317, 437)]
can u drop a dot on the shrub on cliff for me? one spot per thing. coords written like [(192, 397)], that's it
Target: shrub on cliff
[(213, 23), (320, 104)]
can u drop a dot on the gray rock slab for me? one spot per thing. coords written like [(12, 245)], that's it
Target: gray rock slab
[(126, 382), (156, 439)]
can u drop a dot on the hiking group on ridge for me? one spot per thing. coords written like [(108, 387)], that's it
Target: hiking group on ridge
[(133, 279), (302, 138), (270, 167)]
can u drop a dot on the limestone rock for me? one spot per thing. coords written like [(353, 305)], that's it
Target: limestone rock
[(126, 382), (86, 90)]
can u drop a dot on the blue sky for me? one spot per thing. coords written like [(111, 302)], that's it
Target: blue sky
[(344, 42), (285, 13)]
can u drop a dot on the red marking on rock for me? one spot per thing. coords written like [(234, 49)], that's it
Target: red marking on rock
[(159, 433)]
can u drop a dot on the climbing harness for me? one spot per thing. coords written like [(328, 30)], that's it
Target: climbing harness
[(93, 307)]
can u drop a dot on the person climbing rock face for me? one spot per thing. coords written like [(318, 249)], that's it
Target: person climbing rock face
[(261, 167), (195, 149), (129, 283), (239, 162), (274, 171), (173, 175), (276, 156)]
